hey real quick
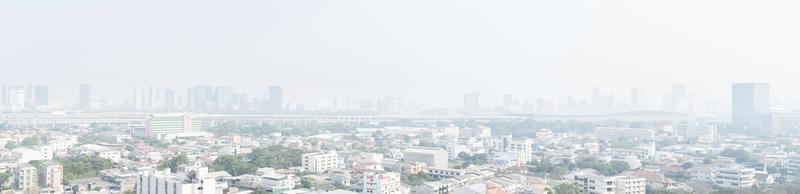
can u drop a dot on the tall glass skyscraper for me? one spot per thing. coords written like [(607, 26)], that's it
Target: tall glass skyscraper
[(751, 107)]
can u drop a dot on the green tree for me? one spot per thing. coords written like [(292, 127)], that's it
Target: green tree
[(31, 141), (11, 145), (233, 164), (567, 188), (306, 183), (83, 166), (174, 162)]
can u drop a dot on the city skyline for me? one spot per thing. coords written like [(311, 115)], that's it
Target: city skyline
[(527, 49)]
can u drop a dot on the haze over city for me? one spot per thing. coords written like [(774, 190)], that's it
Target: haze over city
[(416, 49), (399, 97)]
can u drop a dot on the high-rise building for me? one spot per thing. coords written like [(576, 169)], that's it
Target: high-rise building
[(679, 98), (42, 95), (637, 99), (85, 98), (275, 100), (202, 98), (471, 102), (169, 100), (508, 100), (4, 94), (750, 106)]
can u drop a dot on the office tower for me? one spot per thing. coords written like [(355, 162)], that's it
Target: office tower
[(4, 94), (42, 95), (275, 99), (637, 99), (224, 98), (471, 102), (750, 106), (85, 98), (202, 98), (680, 98), (508, 100), (139, 96), (169, 100), (600, 101)]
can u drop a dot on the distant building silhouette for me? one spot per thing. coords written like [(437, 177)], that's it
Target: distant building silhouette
[(85, 98), (750, 106), (471, 102)]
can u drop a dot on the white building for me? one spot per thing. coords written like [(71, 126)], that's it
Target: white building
[(523, 146), (731, 175), (589, 181), (99, 151), (697, 132), (378, 182), (454, 149), (26, 177), (194, 181), (320, 162), (613, 134), (434, 157)]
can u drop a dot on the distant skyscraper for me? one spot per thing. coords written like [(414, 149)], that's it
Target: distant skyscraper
[(85, 98), (471, 102), (202, 98), (275, 100), (508, 100), (42, 95), (637, 99), (680, 98), (5, 92), (750, 105), (169, 100)]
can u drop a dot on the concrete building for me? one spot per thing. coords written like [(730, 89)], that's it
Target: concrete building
[(589, 181), (320, 162), (26, 177), (732, 175), (171, 123), (434, 157), (523, 146), (51, 175), (379, 182), (697, 132), (613, 134), (192, 181)]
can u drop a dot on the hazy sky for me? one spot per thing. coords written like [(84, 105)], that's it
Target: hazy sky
[(417, 49)]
